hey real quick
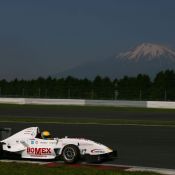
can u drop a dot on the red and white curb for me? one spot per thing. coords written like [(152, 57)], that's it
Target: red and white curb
[(103, 166)]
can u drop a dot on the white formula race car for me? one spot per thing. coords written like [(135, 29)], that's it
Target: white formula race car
[(28, 144)]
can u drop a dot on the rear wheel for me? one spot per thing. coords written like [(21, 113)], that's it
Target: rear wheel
[(1, 150), (70, 154)]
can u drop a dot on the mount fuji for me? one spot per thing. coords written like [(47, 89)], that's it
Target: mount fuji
[(146, 58)]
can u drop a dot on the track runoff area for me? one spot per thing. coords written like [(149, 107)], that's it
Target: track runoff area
[(139, 144)]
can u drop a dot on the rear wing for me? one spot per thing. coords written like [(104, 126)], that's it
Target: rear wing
[(5, 133)]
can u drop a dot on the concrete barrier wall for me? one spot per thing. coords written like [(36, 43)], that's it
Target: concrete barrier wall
[(54, 101), (117, 103), (81, 102), (161, 104), (12, 100), (41, 101)]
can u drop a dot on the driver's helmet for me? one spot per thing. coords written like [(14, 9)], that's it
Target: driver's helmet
[(45, 135)]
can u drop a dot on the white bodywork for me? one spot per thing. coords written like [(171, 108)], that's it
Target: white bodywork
[(27, 145)]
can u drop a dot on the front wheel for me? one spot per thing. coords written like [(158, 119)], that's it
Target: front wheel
[(70, 154)]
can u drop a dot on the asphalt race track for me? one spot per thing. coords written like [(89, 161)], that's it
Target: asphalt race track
[(136, 145)]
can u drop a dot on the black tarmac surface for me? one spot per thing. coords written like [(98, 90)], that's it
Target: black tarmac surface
[(137, 145)]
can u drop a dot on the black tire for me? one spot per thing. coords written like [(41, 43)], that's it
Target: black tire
[(70, 154), (1, 150)]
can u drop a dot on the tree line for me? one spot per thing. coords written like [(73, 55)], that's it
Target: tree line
[(141, 87)]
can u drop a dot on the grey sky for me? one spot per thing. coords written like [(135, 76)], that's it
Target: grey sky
[(41, 37)]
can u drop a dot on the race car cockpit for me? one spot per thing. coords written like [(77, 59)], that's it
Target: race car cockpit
[(44, 135)]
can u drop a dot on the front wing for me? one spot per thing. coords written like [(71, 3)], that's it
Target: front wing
[(101, 157)]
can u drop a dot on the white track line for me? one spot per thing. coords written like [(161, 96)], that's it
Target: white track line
[(139, 168), (25, 161), (156, 170)]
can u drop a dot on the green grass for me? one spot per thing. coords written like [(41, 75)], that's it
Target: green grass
[(35, 169), (84, 108)]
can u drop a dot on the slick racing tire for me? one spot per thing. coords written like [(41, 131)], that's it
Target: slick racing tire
[(1, 151), (70, 154)]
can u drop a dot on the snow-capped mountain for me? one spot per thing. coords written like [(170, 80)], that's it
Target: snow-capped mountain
[(146, 58), (148, 51)]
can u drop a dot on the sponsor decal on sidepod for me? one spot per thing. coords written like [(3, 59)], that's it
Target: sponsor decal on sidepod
[(97, 151), (39, 151)]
